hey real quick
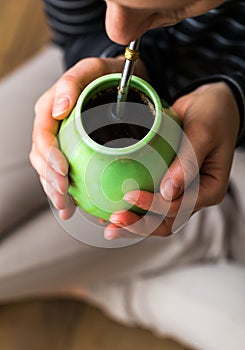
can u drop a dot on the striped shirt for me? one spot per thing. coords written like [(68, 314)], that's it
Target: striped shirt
[(207, 48)]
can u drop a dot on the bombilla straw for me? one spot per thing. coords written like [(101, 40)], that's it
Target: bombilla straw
[(131, 55)]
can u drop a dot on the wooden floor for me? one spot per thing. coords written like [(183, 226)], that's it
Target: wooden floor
[(54, 324), (70, 325)]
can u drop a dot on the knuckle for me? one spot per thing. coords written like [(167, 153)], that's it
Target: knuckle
[(59, 202), (165, 229), (68, 85), (66, 79), (172, 212), (38, 105), (98, 64), (44, 184), (185, 170), (33, 157), (189, 167), (41, 102), (192, 162)]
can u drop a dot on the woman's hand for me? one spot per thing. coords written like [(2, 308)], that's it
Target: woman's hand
[(55, 105), (210, 120)]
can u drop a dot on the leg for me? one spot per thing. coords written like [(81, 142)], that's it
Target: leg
[(40, 257), (36, 255), (21, 194)]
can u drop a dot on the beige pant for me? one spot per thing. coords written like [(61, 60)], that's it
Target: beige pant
[(37, 256)]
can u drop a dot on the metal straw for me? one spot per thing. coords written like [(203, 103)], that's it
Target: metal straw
[(131, 55)]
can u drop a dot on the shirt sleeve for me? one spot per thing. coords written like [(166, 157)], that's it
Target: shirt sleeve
[(157, 61), (197, 51), (78, 27), (236, 83)]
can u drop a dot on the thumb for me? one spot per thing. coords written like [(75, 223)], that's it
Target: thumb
[(67, 90), (185, 167), (70, 85)]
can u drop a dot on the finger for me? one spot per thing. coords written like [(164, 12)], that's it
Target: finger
[(46, 146), (173, 214), (70, 85), (44, 134), (140, 225), (67, 213), (186, 165), (59, 101), (113, 232), (60, 201), (179, 212), (59, 182), (68, 89), (63, 203), (37, 161), (149, 201), (156, 204), (145, 226)]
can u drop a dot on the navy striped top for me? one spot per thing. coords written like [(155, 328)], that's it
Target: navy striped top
[(207, 48)]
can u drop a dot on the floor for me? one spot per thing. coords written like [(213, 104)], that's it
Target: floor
[(70, 325), (54, 324)]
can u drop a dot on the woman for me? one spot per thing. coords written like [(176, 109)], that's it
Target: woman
[(192, 62)]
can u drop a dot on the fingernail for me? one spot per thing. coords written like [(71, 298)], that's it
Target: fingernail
[(169, 190), (115, 220), (58, 170), (57, 187), (130, 198), (61, 105), (108, 235)]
